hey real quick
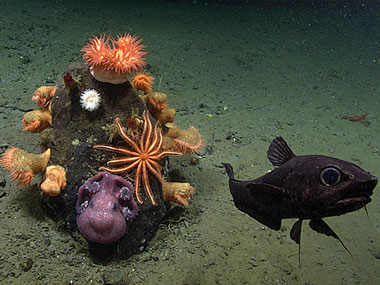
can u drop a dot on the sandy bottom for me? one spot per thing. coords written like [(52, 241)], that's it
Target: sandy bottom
[(242, 74)]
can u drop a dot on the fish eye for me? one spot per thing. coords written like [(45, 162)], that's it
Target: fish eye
[(330, 176)]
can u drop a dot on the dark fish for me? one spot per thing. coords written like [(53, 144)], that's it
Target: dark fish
[(303, 187)]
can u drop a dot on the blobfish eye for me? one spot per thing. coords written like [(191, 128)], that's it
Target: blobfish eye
[(330, 176)]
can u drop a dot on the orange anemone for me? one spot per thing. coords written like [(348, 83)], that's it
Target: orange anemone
[(157, 100), (156, 103), (55, 180), (184, 140), (23, 165), (37, 120), (113, 62), (178, 192), (143, 81), (43, 95)]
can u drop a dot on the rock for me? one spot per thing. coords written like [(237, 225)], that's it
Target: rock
[(74, 132), (115, 277), (26, 264)]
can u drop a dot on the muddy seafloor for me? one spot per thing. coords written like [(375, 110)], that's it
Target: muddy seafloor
[(240, 72)]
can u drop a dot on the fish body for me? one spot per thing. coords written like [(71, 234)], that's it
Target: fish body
[(303, 187)]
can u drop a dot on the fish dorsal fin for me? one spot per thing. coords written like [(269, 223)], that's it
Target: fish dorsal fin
[(279, 152), (321, 227)]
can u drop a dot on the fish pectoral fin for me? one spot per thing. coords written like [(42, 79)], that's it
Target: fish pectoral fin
[(266, 193), (272, 222), (260, 215), (262, 203), (321, 227), (279, 152), (295, 234)]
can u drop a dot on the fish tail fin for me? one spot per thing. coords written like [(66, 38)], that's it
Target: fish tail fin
[(229, 170)]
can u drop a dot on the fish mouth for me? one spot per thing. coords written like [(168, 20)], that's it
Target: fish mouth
[(349, 204), (359, 200), (359, 197), (356, 200), (346, 205)]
